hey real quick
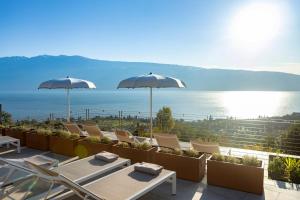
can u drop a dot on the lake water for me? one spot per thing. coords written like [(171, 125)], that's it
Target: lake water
[(185, 104)]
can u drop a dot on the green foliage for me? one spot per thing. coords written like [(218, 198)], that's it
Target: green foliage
[(6, 118), (292, 167), (251, 161), (65, 134), (276, 168), (92, 139), (191, 153), (165, 121), (105, 140), (123, 144), (42, 131), (218, 157), (232, 159), (171, 151), (285, 168)]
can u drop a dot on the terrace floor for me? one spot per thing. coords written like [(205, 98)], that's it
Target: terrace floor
[(273, 190)]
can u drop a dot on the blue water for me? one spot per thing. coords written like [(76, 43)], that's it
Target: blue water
[(185, 104)]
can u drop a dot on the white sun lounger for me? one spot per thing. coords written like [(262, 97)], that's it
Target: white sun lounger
[(76, 172), (120, 185), (6, 140), (10, 175)]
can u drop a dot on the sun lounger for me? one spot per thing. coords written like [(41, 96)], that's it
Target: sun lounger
[(72, 128), (76, 172), (11, 174), (93, 130), (123, 184), (6, 140), (206, 147), (168, 141), (125, 136)]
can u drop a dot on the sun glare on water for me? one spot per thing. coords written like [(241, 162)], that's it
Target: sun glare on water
[(255, 25), (252, 104)]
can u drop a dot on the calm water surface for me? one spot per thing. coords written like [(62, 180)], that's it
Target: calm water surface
[(185, 104)]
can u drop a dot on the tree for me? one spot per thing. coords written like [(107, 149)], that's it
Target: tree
[(165, 121), (6, 118)]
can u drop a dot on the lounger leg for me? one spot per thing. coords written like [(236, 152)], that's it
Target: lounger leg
[(173, 181), (18, 146)]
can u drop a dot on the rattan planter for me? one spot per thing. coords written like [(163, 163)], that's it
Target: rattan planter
[(235, 176), (188, 168), (135, 155), (62, 145), (37, 141)]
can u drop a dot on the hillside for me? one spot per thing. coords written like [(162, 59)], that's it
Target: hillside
[(22, 73)]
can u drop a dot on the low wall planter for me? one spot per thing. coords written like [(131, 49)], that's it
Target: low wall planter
[(37, 141), (85, 148), (135, 155), (18, 134), (235, 176), (188, 168), (62, 145)]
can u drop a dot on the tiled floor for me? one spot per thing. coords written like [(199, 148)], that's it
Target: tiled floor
[(273, 190)]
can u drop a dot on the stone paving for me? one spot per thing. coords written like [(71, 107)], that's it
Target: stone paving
[(276, 190)]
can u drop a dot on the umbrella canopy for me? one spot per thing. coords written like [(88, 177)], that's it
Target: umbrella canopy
[(67, 83), (151, 81)]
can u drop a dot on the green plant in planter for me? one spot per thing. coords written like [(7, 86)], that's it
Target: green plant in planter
[(292, 171), (218, 157), (42, 131), (106, 140), (65, 134), (250, 161), (143, 146), (276, 168), (232, 159), (123, 144), (191, 153), (20, 129), (93, 139), (171, 151)]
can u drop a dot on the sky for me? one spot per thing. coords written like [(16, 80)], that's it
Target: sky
[(229, 34)]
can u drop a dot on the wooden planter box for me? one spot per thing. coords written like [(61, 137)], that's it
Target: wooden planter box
[(188, 168), (18, 134), (37, 141), (85, 148), (236, 176), (135, 155), (62, 146)]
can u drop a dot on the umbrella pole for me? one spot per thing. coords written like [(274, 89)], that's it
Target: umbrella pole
[(68, 105), (151, 115)]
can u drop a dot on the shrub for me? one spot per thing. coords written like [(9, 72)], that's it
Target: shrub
[(144, 146), (232, 159), (276, 168), (217, 157), (92, 139), (292, 171), (65, 134), (251, 161), (43, 131), (106, 140), (191, 153), (171, 151), (123, 144)]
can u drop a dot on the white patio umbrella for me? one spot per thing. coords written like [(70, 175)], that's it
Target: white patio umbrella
[(151, 81), (67, 83)]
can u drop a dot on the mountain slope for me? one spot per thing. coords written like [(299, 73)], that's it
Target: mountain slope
[(22, 73)]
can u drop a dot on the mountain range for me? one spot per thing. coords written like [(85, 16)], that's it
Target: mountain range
[(22, 73)]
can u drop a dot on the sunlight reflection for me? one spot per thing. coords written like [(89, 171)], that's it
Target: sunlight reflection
[(253, 103)]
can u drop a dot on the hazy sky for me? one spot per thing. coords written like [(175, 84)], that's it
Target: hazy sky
[(244, 34)]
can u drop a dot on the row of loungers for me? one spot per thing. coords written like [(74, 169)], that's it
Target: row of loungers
[(76, 178), (169, 141)]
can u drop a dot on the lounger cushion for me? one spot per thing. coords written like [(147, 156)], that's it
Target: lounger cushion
[(106, 156), (148, 168)]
